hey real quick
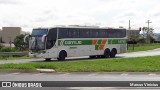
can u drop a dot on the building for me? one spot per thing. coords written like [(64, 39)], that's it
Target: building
[(133, 34), (10, 33)]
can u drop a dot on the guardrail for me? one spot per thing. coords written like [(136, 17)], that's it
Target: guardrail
[(13, 53)]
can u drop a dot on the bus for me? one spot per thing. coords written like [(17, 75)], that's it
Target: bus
[(74, 41)]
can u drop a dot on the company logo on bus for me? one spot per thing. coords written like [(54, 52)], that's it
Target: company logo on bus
[(66, 42), (73, 42)]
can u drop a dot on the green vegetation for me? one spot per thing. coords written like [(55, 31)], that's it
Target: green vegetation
[(19, 42), (14, 58), (8, 49), (140, 64), (143, 47)]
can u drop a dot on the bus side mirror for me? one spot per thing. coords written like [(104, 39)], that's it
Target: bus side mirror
[(24, 39), (43, 37)]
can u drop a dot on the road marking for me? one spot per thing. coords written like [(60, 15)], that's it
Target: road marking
[(14, 73), (64, 74), (152, 74), (38, 74), (94, 74), (124, 74)]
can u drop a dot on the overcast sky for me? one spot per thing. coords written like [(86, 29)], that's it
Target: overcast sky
[(30, 14)]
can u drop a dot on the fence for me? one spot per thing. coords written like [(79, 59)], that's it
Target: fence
[(13, 53)]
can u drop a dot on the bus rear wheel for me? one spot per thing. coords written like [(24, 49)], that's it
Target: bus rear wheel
[(107, 53), (100, 56), (62, 56), (113, 53)]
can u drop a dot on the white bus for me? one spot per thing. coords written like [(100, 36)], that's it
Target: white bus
[(62, 42)]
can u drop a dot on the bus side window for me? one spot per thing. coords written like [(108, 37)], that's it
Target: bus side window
[(123, 33), (75, 33), (63, 33), (109, 33), (102, 34), (70, 33), (84, 33), (94, 33)]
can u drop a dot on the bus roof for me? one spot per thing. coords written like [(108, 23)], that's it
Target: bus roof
[(85, 27)]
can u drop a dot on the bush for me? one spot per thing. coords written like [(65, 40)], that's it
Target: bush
[(141, 40), (8, 49), (1, 46)]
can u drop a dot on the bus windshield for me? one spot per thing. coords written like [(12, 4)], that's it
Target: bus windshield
[(36, 39), (36, 43), (39, 32)]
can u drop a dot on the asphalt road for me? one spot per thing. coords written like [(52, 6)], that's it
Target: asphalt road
[(88, 76), (98, 76), (117, 76), (123, 55)]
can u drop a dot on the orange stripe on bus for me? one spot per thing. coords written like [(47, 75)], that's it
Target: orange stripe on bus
[(95, 42), (101, 47), (104, 42)]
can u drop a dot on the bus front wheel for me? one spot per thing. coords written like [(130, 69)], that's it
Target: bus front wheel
[(92, 57), (47, 59), (62, 56), (107, 53)]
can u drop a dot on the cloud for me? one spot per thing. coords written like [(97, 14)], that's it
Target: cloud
[(130, 14), (109, 13), (8, 2), (156, 14)]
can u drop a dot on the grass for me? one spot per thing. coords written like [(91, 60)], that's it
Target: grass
[(14, 58), (143, 48), (140, 64)]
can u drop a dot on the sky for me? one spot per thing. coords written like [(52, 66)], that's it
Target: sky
[(30, 14)]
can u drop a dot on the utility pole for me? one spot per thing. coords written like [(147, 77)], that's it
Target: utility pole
[(130, 37), (148, 35), (129, 30)]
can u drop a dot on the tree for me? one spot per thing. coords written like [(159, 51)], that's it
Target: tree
[(149, 33), (1, 41), (19, 42)]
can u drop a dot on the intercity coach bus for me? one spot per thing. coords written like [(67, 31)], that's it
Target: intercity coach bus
[(61, 42)]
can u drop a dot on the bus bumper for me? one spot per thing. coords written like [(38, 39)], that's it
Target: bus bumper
[(36, 55)]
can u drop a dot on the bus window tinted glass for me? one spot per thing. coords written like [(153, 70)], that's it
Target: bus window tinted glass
[(84, 33), (116, 33), (63, 33), (51, 38), (73, 33), (94, 33), (103, 33), (39, 32)]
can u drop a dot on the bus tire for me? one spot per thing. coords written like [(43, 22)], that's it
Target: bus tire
[(92, 56), (47, 59), (62, 56), (113, 53), (106, 53), (100, 56)]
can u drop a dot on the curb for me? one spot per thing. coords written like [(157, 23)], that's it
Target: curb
[(53, 71), (45, 70), (26, 71), (18, 71)]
